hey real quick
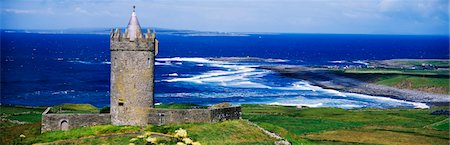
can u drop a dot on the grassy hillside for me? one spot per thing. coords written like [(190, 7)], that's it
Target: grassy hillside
[(75, 108), (433, 81), (19, 120), (366, 126)]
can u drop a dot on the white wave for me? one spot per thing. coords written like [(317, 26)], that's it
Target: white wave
[(239, 75), (232, 76), (200, 64), (338, 61), (302, 85), (173, 74), (298, 105), (190, 59), (246, 84), (276, 60), (106, 62), (305, 86), (360, 62), (386, 99), (63, 92), (165, 63), (80, 61)]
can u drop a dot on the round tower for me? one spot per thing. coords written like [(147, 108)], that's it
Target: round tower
[(132, 74)]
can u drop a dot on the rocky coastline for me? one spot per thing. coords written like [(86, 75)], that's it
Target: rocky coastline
[(323, 78)]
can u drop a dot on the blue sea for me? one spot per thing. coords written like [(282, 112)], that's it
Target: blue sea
[(42, 69)]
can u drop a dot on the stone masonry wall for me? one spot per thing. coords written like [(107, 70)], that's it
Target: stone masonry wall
[(179, 116), (54, 121), (156, 117), (228, 113)]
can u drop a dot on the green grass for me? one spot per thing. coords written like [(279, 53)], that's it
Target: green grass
[(445, 126), (21, 113), (122, 140), (296, 124), (79, 132), (8, 110), (179, 106), (75, 108), (32, 118), (397, 71), (421, 80), (227, 132), (10, 135)]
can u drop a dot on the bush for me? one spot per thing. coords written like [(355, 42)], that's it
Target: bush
[(105, 109)]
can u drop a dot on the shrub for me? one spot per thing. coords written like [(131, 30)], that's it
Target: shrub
[(105, 109)]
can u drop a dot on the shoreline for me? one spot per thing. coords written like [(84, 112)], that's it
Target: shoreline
[(323, 78)]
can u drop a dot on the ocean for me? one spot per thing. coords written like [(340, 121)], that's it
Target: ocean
[(40, 69)]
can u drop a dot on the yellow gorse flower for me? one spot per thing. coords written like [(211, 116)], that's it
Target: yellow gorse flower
[(152, 140), (147, 134), (187, 140), (180, 133), (133, 139), (180, 143)]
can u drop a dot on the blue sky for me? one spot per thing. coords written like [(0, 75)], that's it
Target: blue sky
[(291, 16)]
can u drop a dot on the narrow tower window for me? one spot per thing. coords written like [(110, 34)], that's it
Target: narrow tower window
[(121, 102)]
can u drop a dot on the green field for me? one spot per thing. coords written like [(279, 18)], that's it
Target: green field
[(299, 126), (334, 125), (422, 80), (75, 108)]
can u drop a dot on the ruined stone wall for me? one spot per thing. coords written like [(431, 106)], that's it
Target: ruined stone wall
[(179, 116), (60, 121), (156, 117), (132, 75), (228, 113)]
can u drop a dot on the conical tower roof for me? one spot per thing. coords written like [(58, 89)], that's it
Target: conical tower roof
[(133, 30)]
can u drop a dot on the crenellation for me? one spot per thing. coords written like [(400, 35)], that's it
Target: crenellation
[(111, 34), (117, 35)]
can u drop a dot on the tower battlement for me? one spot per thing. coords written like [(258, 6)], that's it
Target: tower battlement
[(117, 35), (141, 42)]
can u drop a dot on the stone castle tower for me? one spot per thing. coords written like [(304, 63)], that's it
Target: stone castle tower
[(132, 74), (132, 84)]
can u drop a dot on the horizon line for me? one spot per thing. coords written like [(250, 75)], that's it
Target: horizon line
[(204, 31)]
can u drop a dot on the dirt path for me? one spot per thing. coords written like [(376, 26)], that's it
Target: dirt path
[(436, 123)]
